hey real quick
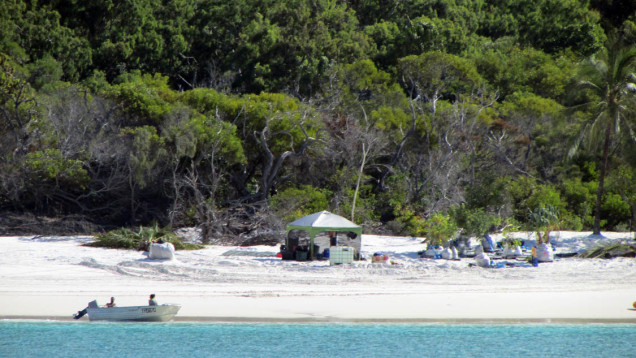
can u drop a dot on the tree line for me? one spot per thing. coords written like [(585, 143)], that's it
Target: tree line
[(405, 116)]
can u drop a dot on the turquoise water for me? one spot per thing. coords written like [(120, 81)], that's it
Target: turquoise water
[(84, 339)]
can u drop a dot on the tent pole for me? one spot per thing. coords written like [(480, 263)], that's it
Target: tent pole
[(311, 248)]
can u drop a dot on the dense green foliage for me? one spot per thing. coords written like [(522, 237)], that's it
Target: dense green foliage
[(418, 116)]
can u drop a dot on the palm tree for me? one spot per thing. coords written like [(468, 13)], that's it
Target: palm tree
[(610, 78)]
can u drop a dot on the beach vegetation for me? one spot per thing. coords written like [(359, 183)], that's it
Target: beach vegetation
[(543, 220), (438, 229), (609, 90), (579, 198), (510, 238), (610, 250), (140, 239), (237, 116), (474, 222), (293, 203)]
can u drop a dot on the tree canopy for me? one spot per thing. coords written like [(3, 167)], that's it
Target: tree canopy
[(398, 115)]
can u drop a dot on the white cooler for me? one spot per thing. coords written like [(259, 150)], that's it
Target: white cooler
[(341, 255)]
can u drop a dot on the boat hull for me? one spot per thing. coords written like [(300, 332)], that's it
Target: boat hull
[(159, 313)]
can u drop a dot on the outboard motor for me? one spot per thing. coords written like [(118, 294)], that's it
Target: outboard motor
[(80, 314)]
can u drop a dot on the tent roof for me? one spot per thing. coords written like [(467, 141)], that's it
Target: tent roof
[(323, 221)]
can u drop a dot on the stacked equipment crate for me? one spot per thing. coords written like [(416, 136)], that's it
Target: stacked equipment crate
[(341, 255)]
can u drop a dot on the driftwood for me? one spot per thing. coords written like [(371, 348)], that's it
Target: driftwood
[(244, 226)]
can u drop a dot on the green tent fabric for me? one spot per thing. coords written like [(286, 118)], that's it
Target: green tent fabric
[(320, 222)]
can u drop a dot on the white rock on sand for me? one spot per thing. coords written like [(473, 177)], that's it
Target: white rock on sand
[(53, 277)]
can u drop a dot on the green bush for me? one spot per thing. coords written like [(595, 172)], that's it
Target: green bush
[(614, 210), (125, 238), (580, 198), (407, 222), (545, 196), (543, 219), (622, 181), (475, 222), (365, 205), (571, 222), (439, 229), (529, 197), (489, 192), (293, 203), (51, 165)]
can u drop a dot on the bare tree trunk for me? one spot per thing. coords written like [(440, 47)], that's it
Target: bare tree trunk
[(271, 165), (131, 185), (601, 180), (177, 196), (355, 194), (203, 210)]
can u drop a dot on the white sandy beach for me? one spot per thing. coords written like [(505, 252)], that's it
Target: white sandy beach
[(54, 277)]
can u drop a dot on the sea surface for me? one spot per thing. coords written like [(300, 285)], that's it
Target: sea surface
[(90, 339)]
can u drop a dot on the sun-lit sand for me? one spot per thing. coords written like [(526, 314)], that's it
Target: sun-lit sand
[(54, 277)]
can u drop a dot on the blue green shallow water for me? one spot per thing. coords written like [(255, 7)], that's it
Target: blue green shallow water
[(75, 339)]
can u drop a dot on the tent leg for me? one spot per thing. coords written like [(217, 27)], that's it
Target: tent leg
[(311, 249)]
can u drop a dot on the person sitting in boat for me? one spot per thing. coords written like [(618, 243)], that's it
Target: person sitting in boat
[(111, 303), (152, 301)]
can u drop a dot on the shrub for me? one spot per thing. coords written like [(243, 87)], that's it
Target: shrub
[(529, 197), (407, 222), (439, 229), (293, 203), (615, 210), (571, 222), (488, 193), (579, 198), (475, 222), (544, 219), (125, 238), (545, 196), (51, 165)]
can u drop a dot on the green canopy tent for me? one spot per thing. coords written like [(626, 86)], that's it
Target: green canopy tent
[(321, 222)]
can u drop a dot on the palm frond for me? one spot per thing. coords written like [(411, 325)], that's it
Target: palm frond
[(625, 64), (586, 84), (631, 134)]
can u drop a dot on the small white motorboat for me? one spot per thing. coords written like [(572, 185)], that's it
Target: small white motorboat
[(158, 313)]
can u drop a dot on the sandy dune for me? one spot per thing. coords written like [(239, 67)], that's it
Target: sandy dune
[(53, 277)]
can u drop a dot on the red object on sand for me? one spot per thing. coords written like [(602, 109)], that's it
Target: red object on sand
[(634, 304)]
